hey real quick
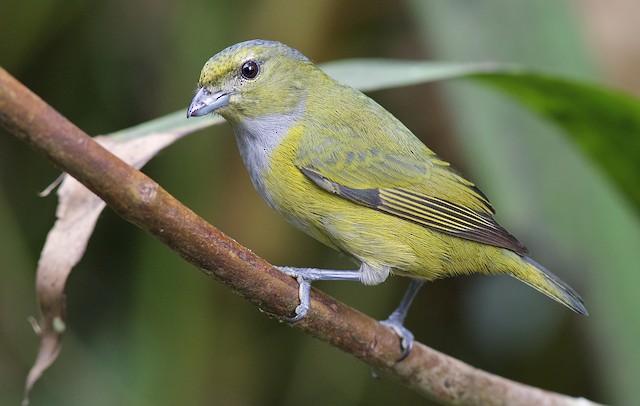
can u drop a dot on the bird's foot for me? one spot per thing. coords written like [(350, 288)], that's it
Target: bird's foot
[(304, 292), (406, 336)]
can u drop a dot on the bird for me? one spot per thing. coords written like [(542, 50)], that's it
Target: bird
[(341, 168)]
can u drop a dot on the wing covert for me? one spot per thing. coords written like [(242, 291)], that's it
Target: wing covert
[(425, 210)]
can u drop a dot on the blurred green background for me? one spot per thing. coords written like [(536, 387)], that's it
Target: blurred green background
[(145, 328)]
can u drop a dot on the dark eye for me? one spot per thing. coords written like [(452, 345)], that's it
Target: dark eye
[(250, 69)]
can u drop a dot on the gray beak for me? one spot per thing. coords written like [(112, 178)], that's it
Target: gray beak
[(204, 102)]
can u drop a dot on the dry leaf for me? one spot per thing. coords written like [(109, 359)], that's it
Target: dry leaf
[(77, 213)]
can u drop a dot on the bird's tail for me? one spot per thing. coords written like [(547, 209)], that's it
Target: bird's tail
[(549, 284)]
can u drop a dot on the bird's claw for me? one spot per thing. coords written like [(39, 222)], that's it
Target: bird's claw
[(301, 312), (304, 291), (406, 336)]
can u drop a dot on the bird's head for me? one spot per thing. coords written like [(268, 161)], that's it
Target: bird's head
[(252, 79)]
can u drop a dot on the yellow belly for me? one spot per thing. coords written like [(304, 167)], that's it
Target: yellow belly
[(369, 235)]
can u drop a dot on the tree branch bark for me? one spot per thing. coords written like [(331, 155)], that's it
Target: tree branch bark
[(141, 201)]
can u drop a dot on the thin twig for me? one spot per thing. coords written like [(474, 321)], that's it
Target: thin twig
[(141, 201)]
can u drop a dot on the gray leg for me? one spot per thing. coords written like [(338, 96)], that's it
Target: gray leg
[(305, 276), (366, 274), (396, 319)]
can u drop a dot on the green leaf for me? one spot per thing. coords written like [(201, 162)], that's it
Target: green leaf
[(378, 74), (603, 123)]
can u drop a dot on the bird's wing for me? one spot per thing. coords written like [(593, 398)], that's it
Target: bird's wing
[(409, 182)]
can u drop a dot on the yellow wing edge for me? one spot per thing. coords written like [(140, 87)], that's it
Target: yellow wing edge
[(427, 211)]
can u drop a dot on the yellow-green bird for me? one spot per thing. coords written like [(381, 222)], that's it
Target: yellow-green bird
[(341, 168)]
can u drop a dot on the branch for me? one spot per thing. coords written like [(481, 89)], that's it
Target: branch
[(141, 201)]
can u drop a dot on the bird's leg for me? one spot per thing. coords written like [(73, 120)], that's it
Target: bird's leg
[(305, 276), (396, 319)]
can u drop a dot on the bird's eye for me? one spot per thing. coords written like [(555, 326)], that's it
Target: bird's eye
[(249, 69)]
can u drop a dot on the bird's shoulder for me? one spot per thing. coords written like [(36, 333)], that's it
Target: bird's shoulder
[(359, 144), (375, 161)]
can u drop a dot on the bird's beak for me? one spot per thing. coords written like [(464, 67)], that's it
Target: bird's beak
[(204, 102)]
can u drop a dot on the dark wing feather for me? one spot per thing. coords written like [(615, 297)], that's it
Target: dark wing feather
[(428, 211)]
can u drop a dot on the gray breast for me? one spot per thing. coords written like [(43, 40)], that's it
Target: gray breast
[(257, 139)]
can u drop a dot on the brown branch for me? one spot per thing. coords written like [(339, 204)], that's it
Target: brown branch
[(141, 201)]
